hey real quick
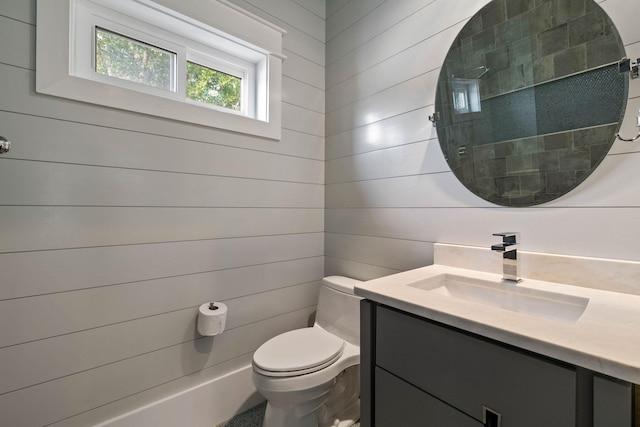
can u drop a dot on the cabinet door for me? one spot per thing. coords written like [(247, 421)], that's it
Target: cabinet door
[(469, 372), (399, 404), (612, 402)]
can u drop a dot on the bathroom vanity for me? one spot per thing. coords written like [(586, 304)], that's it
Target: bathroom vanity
[(447, 346), (428, 374)]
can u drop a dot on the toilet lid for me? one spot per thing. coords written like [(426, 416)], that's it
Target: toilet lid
[(298, 352)]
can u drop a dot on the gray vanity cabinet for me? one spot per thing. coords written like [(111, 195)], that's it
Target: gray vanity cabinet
[(401, 404), (420, 373), (470, 374)]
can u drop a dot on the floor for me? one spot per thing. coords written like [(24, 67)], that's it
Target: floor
[(251, 418)]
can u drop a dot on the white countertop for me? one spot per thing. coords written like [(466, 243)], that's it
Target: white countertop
[(605, 339)]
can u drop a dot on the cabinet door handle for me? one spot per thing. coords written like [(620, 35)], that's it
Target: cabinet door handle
[(491, 418)]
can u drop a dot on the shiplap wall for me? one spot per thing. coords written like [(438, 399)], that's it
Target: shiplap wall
[(115, 227), (389, 193)]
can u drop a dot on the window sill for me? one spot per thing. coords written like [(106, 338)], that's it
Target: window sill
[(55, 76)]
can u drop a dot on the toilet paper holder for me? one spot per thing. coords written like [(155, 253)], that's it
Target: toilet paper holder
[(212, 318)]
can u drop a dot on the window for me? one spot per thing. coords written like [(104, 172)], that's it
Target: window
[(214, 87), (119, 53), (128, 59), (466, 95)]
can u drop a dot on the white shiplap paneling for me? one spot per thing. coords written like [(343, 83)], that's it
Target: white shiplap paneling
[(302, 40), (81, 392), (399, 68), (381, 16), (81, 310), (403, 160), (381, 252), (74, 269), (350, 12), (60, 227), (291, 12), (122, 224), (553, 230), (378, 99), (80, 185), (303, 95), (318, 7), (22, 36), (357, 270), (407, 96), (302, 69), (19, 11), (18, 97), (20, 365), (406, 128), (427, 22), (413, 191)]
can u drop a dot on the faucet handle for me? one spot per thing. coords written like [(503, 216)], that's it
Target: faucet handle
[(510, 237), (508, 247)]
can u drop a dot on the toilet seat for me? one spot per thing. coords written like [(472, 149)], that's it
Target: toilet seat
[(297, 352)]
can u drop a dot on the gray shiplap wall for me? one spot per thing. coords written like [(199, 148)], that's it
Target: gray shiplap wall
[(117, 226), (389, 192)]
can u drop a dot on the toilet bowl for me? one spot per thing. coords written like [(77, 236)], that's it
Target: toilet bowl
[(311, 376)]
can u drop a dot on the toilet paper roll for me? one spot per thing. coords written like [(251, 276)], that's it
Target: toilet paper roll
[(212, 317)]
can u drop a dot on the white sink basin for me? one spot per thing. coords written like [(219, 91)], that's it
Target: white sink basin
[(579, 324), (507, 296)]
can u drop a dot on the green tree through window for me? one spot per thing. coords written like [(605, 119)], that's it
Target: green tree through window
[(128, 59), (213, 87)]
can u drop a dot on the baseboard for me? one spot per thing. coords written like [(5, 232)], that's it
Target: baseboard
[(202, 399), (206, 404)]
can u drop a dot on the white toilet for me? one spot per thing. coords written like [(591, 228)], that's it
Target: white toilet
[(311, 376)]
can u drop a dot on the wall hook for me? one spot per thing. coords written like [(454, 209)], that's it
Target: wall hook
[(5, 145)]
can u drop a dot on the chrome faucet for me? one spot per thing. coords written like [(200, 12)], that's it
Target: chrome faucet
[(509, 250)]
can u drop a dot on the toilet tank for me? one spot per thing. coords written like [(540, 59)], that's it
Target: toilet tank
[(338, 309)]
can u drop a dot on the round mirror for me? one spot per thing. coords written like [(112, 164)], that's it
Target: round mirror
[(530, 98)]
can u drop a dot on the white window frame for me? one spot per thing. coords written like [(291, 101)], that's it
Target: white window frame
[(84, 66), (214, 34), (246, 73)]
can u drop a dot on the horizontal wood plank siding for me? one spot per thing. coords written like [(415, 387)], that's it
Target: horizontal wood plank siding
[(117, 226), (387, 181)]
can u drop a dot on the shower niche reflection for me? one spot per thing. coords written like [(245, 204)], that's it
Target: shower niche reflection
[(529, 98)]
